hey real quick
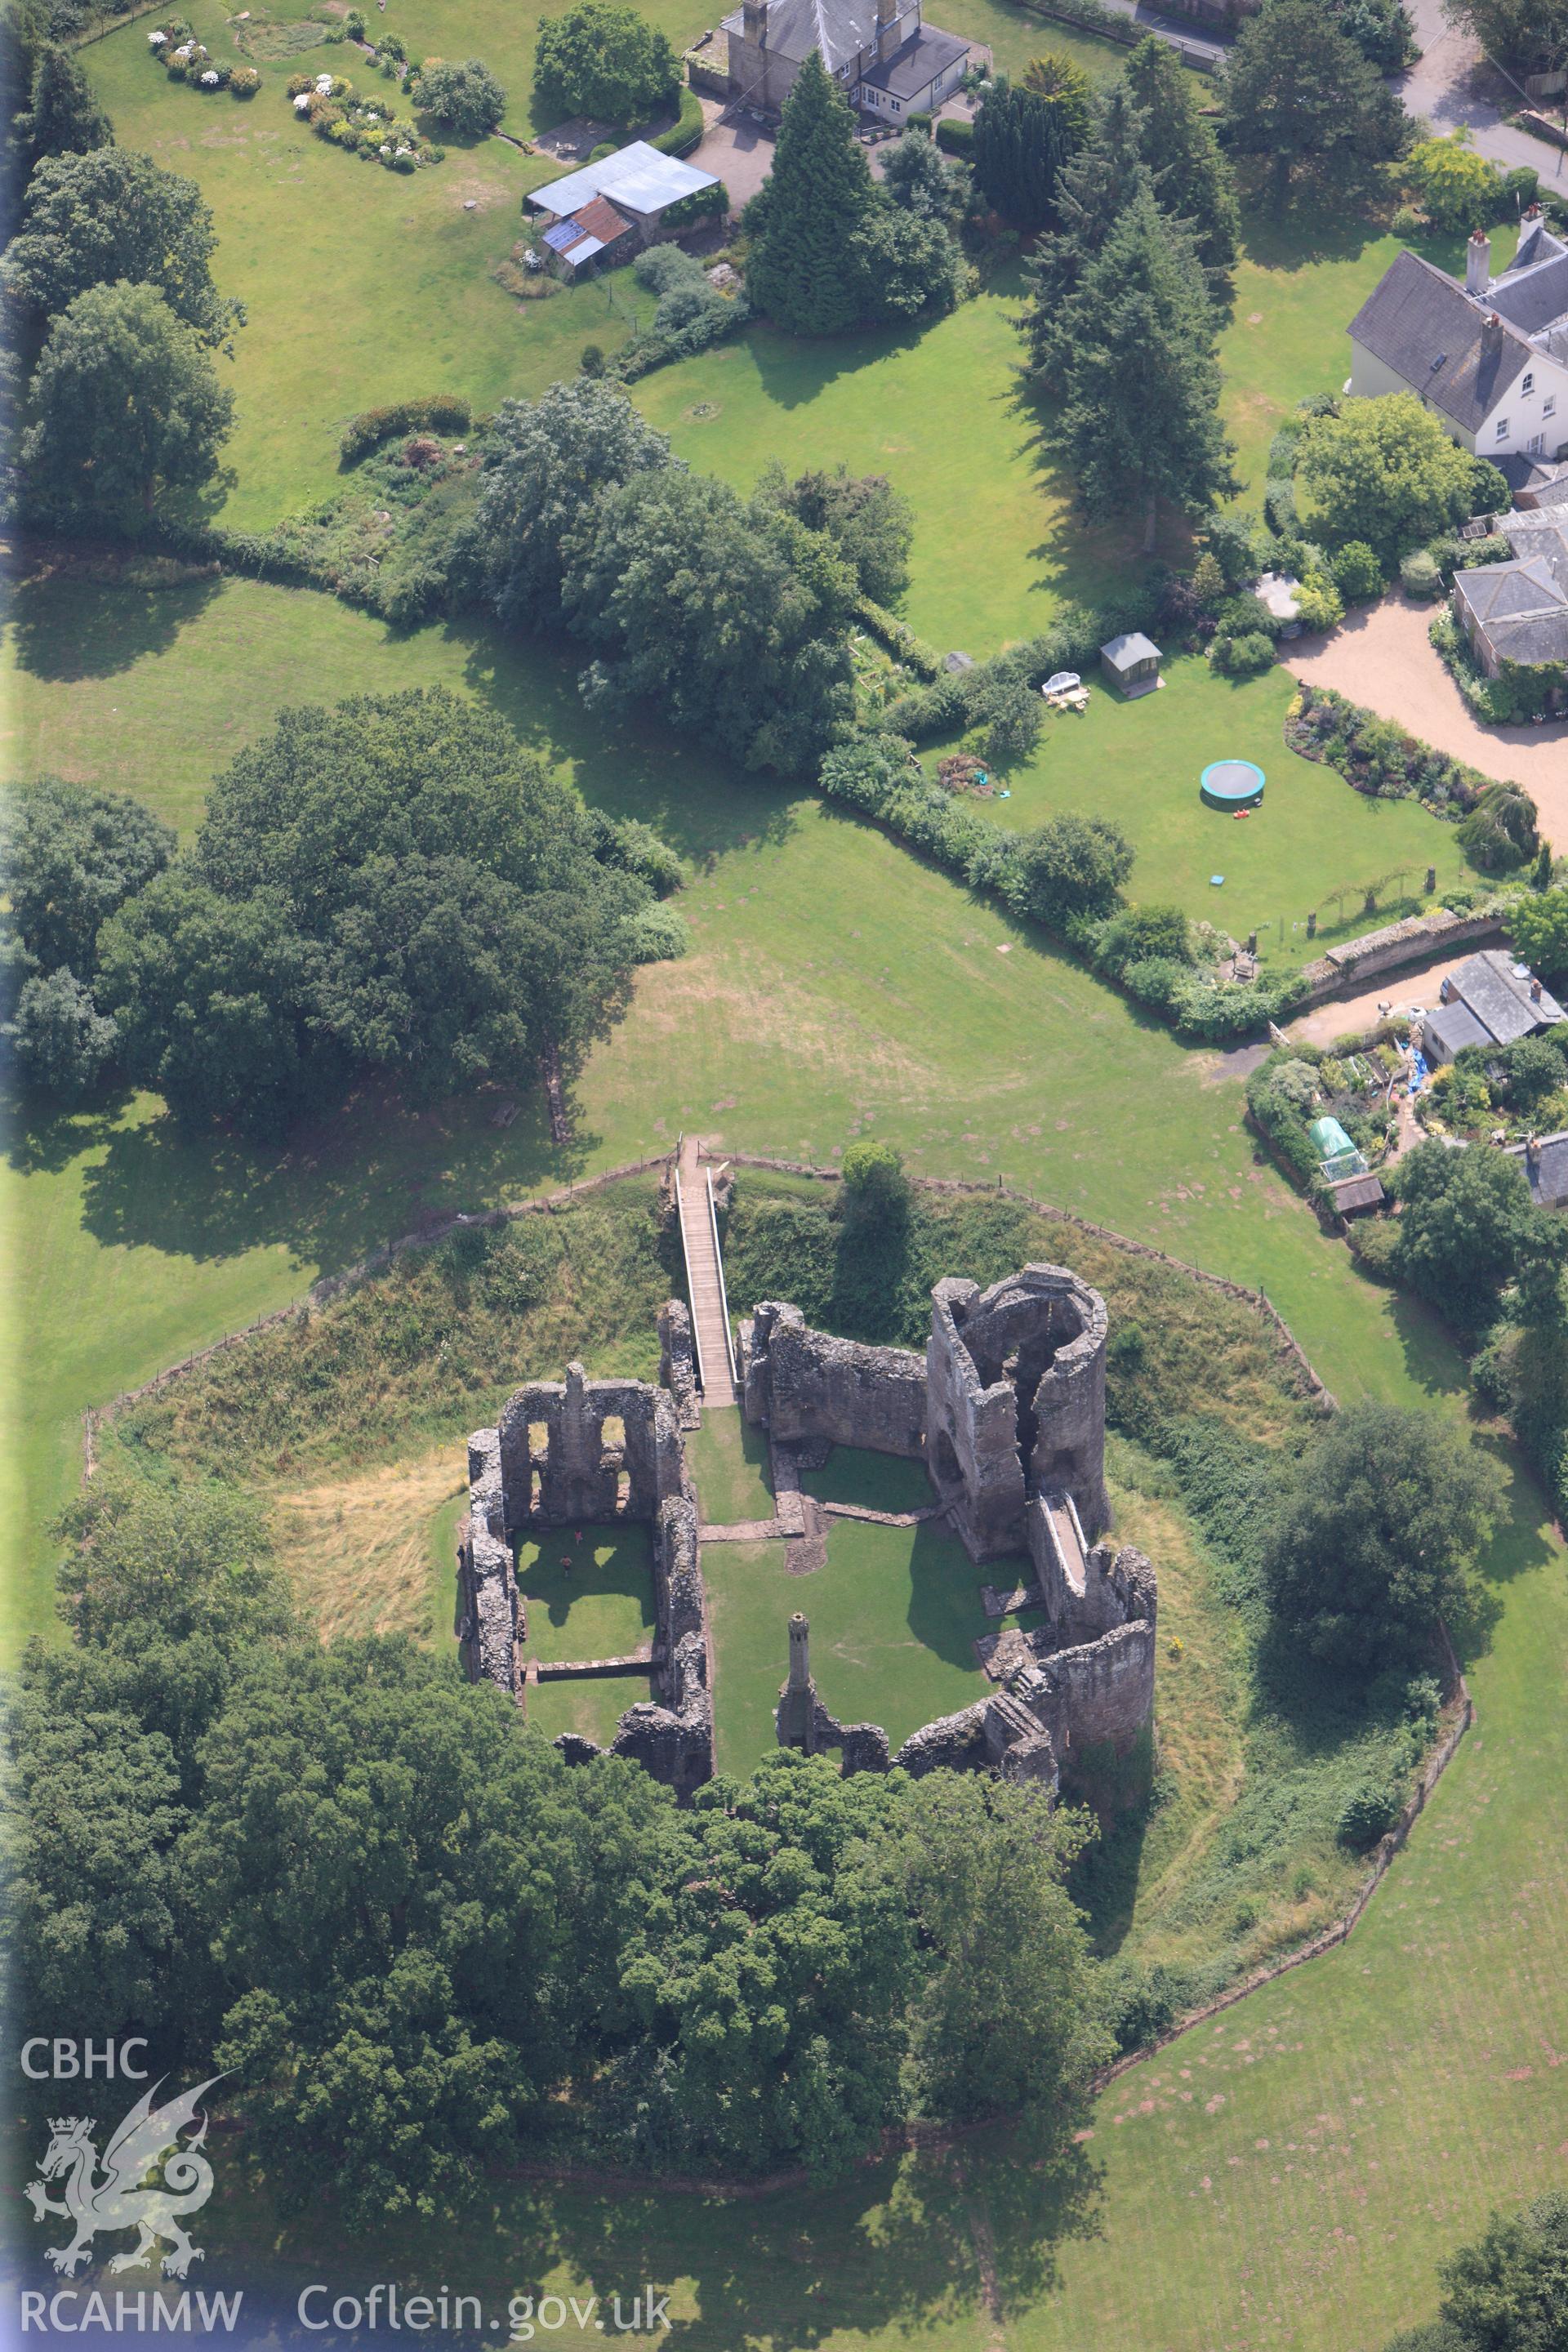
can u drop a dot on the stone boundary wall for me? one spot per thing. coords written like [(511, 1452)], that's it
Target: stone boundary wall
[(1256, 1300), (1415, 940)]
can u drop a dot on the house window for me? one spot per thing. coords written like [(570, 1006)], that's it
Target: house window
[(896, 107), (1502, 428), (1527, 383), (1549, 405)]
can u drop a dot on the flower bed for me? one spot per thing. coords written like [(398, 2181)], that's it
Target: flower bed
[(365, 127), (172, 46)]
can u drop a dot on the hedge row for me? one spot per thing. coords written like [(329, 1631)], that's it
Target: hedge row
[(444, 411), (877, 773), (687, 134), (899, 639)]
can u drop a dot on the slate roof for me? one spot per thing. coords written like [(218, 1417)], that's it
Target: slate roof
[(1536, 242), (1423, 326), (1548, 1177), (1123, 653), (1357, 1192), (1501, 998), (841, 29), (914, 68), (1449, 1029), (1533, 298), (638, 177), (1522, 608)]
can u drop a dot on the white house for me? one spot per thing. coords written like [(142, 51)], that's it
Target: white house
[(1490, 358)]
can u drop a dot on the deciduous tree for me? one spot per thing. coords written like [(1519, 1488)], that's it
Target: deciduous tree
[(129, 406), (1383, 472), (467, 97), (113, 216), (548, 459), (73, 855), (1464, 1215), (603, 61), (1378, 1533)]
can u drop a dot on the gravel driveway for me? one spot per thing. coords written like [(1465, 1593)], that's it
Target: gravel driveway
[(1379, 656)]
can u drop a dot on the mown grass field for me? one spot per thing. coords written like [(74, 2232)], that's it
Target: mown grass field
[(1139, 763)]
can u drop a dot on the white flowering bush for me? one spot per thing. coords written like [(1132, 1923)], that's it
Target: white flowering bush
[(209, 80), (157, 40), (323, 85), (302, 103)]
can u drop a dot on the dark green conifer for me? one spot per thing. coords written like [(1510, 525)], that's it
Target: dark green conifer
[(805, 269)]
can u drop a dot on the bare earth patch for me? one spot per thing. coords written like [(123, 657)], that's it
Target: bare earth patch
[(1379, 656)]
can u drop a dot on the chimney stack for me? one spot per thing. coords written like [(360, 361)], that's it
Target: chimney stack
[(1491, 335), (755, 22), (886, 28), (1535, 992), (1477, 263)]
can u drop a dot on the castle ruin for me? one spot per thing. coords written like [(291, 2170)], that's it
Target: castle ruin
[(1007, 1410)]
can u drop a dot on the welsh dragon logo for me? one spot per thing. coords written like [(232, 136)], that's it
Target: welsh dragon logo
[(115, 2199)]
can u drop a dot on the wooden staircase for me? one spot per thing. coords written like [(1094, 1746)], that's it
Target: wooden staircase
[(704, 1281)]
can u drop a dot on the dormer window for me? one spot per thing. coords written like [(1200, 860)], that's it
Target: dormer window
[(1527, 383)]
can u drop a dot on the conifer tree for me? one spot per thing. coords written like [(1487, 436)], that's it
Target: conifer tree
[(1192, 178), (1023, 139), (805, 269), (1140, 420), (1092, 195)]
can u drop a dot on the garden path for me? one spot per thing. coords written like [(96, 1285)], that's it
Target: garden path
[(1379, 656)]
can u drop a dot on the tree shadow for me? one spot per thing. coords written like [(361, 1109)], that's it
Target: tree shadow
[(796, 369), (67, 628), (331, 1191), (1315, 226), (919, 2243), (629, 763)]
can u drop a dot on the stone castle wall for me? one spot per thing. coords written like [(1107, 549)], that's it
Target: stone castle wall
[(553, 1459), (802, 1384)]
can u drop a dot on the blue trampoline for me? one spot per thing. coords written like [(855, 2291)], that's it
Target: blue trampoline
[(1232, 784)]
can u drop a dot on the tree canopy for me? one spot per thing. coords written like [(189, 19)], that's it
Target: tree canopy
[(803, 271), (1139, 419), (392, 885), (72, 857), (129, 406), (62, 115), (1300, 98), (1539, 929), (869, 523), (1464, 1215), (1193, 181), (1376, 1538), (828, 248), (1093, 194), (1506, 2293), (467, 97), (111, 217), (1530, 36), (603, 61), (1024, 136), (1074, 865), (1383, 472), (547, 460)]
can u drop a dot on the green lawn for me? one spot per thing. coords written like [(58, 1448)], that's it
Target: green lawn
[(361, 286), (997, 547), (589, 1592), (728, 1461), (593, 1708), (1139, 764)]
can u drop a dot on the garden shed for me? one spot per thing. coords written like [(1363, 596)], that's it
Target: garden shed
[(1131, 663), (636, 183)]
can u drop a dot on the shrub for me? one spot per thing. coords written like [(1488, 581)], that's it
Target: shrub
[(244, 82), (467, 96), (1501, 832), (1318, 601), (1419, 575), (686, 133), (1367, 1814), (601, 153), (1357, 574), (443, 412), (702, 204), (1246, 656), (1375, 1246), (592, 362), (955, 136), (1408, 222), (1458, 188)]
